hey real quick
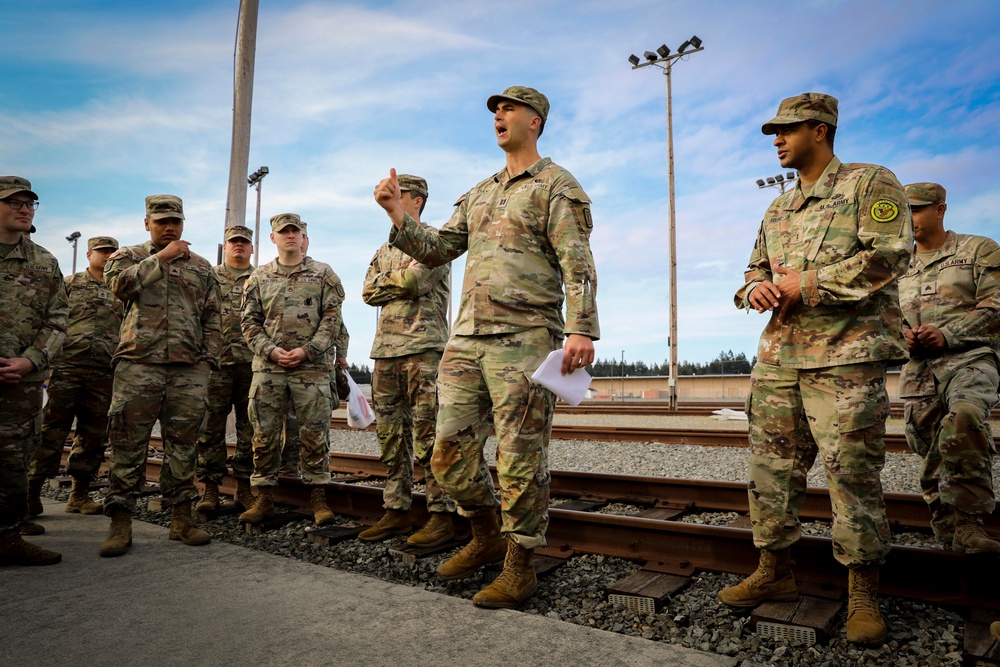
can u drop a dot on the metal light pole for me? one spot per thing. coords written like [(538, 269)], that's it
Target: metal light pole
[(74, 238), (778, 181), (255, 179), (664, 60), (243, 69)]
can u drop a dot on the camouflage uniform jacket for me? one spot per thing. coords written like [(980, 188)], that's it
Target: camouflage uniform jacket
[(850, 238), (95, 317), (231, 289), (340, 342), (527, 236), (957, 290), (301, 309), (33, 316), (171, 310), (414, 301)]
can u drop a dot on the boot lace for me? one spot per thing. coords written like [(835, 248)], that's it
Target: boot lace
[(862, 598)]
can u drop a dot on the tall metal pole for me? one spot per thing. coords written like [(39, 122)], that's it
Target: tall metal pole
[(672, 381), (74, 253), (256, 229), (239, 158)]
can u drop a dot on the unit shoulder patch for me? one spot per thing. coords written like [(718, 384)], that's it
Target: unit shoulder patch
[(884, 210)]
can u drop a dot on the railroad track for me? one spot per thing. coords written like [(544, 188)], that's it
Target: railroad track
[(651, 408), (664, 544), (894, 442)]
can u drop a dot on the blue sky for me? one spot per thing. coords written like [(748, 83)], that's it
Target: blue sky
[(108, 101)]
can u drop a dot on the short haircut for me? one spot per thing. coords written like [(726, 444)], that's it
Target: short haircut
[(831, 130)]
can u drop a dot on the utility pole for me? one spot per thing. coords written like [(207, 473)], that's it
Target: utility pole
[(73, 238), (239, 157), (664, 60)]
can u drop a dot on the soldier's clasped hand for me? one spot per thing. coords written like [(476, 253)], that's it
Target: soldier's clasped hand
[(175, 249)]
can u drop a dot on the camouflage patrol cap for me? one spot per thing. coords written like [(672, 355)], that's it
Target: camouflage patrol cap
[(524, 95), (239, 232), (160, 207), (283, 220), (414, 184), (99, 242), (807, 106), (11, 185), (924, 194)]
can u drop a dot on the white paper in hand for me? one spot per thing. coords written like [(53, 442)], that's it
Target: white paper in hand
[(571, 388)]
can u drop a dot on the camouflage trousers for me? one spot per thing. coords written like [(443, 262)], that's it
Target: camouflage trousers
[(838, 413), (951, 432), (176, 395), (290, 445), (20, 422), (272, 397), (228, 390), (82, 393), (480, 374), (404, 398)]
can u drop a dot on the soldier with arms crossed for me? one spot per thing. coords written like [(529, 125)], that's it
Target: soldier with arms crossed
[(825, 265), (527, 231), (412, 331), (951, 301), (80, 385), (170, 340)]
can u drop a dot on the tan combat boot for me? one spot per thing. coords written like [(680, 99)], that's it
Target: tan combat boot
[(79, 501), (515, 584), (321, 511), (263, 507), (970, 537), (244, 496), (438, 530), (771, 581), (31, 528), (15, 551), (210, 500), (393, 522), (864, 619), (183, 528), (995, 630), (35, 497), (119, 537), (485, 547)]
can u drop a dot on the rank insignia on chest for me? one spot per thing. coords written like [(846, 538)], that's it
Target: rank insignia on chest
[(928, 288), (884, 210)]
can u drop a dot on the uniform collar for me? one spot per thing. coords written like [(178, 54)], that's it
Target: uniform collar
[(823, 188), (503, 177)]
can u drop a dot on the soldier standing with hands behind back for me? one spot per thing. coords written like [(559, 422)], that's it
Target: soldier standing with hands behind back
[(527, 231), (170, 339), (825, 264), (951, 301)]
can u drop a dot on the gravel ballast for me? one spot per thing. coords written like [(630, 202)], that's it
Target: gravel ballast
[(918, 634)]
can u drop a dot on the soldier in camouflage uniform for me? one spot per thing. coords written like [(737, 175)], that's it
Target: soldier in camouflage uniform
[(951, 301), (229, 387), (80, 385), (32, 329), (527, 231), (170, 340), (290, 445), (412, 332), (291, 315), (825, 265)]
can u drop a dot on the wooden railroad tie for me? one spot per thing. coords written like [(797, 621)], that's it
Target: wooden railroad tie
[(645, 592), (808, 620), (277, 520), (979, 646), (330, 535)]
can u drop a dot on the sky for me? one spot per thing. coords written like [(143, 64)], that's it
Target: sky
[(107, 101)]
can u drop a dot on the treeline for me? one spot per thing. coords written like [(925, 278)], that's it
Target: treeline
[(361, 375), (726, 363)]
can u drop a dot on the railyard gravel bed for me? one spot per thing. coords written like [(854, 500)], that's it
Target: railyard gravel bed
[(918, 634)]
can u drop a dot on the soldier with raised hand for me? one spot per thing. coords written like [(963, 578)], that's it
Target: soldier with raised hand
[(951, 301), (32, 329), (229, 386), (411, 334), (80, 385), (825, 265), (527, 231), (291, 316), (170, 340)]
